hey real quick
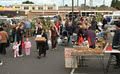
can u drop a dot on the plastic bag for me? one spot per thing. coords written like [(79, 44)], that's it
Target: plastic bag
[(49, 44)]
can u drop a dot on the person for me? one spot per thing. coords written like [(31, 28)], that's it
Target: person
[(76, 32), (27, 46), (53, 36), (69, 28), (107, 34), (116, 45), (37, 25), (16, 49), (28, 28), (20, 36), (43, 46), (3, 41), (90, 34), (104, 21), (38, 32), (14, 32)]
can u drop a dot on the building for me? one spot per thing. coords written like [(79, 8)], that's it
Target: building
[(36, 7), (9, 11)]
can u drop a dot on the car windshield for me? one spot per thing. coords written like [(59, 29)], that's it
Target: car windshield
[(4, 21), (114, 22)]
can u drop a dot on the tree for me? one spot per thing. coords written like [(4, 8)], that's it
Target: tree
[(115, 4), (66, 5), (27, 2), (1, 6)]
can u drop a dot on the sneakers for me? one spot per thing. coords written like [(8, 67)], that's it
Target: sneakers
[(1, 62), (21, 55)]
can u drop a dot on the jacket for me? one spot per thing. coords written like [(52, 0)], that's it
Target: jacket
[(116, 40), (4, 37), (27, 44)]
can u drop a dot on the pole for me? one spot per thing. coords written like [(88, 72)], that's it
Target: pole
[(72, 9), (77, 3), (84, 4), (63, 3), (103, 2)]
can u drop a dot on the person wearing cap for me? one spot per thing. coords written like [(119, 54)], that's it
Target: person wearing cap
[(116, 45)]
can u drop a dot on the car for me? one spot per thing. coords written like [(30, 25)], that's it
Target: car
[(14, 20)]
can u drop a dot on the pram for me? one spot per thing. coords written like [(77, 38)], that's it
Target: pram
[(64, 38)]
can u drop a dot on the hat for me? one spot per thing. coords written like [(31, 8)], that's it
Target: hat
[(118, 24)]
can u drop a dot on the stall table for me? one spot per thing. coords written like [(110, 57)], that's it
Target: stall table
[(84, 51)]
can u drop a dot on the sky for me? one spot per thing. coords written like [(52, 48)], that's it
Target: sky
[(58, 2)]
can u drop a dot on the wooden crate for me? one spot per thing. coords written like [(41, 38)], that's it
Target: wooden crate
[(40, 39)]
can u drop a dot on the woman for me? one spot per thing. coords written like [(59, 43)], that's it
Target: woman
[(43, 46), (20, 36), (53, 36)]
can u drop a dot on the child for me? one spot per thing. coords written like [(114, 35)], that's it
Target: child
[(27, 46), (16, 49)]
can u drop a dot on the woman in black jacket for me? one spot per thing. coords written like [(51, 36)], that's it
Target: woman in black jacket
[(43, 46), (20, 36)]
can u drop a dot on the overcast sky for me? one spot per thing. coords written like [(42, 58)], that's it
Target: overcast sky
[(58, 2)]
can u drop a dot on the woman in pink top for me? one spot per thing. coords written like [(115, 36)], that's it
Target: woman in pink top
[(27, 46)]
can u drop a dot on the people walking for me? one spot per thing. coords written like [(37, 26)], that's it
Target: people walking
[(42, 45), (20, 36), (53, 36)]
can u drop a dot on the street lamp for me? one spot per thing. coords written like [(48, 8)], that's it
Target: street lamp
[(72, 9)]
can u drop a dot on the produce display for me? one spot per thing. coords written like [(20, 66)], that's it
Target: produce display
[(87, 51)]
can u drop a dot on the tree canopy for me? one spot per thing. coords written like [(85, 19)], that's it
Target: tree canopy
[(27, 2), (115, 4)]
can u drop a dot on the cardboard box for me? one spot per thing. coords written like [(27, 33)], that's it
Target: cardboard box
[(40, 39)]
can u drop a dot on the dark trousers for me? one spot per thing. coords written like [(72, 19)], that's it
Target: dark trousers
[(42, 49), (20, 47), (54, 42), (3, 48), (117, 55), (28, 32)]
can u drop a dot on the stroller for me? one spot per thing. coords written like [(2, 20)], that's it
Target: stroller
[(64, 38)]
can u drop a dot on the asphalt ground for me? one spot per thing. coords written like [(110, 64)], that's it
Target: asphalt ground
[(53, 63)]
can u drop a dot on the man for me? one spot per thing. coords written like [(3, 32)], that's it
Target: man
[(28, 28), (116, 45), (3, 41)]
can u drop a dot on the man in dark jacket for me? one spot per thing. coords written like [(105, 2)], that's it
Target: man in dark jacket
[(116, 45)]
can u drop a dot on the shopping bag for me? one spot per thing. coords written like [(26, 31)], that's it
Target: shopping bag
[(59, 41), (89, 41), (80, 40), (23, 45), (49, 43), (109, 48)]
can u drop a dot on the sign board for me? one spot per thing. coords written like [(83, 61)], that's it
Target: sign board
[(70, 61)]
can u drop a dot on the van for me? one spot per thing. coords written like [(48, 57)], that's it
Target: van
[(113, 20)]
